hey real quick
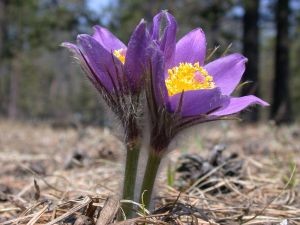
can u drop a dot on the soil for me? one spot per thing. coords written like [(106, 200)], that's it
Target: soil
[(64, 175)]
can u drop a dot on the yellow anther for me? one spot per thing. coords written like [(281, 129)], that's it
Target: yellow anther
[(186, 77), (120, 54)]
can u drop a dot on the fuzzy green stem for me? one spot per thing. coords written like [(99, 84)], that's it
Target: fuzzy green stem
[(132, 156), (153, 163)]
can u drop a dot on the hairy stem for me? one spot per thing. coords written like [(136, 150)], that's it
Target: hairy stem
[(132, 157), (153, 163)]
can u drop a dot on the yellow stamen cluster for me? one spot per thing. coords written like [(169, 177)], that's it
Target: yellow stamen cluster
[(184, 78), (120, 55)]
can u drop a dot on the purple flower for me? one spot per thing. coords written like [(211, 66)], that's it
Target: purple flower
[(109, 64), (116, 71), (184, 88)]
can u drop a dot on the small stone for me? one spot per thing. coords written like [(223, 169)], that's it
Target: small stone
[(84, 220)]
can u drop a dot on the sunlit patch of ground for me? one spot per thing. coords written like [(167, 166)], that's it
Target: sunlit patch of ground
[(46, 172)]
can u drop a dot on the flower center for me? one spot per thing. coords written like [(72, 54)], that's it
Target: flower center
[(120, 54), (186, 77)]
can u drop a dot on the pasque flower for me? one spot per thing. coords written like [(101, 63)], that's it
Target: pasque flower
[(109, 63), (118, 74), (184, 86), (183, 90), (115, 70)]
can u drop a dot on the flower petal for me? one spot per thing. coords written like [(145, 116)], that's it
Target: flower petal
[(109, 41), (164, 30), (78, 56), (227, 71), (238, 104), (195, 103), (191, 48), (136, 61), (72, 47), (159, 89), (101, 62)]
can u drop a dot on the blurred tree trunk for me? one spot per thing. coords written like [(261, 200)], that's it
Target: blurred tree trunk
[(3, 38), (14, 62), (281, 110), (3, 28), (251, 51), (216, 10), (2, 24), (14, 88)]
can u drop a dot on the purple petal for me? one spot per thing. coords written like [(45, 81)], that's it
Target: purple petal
[(164, 30), (191, 48), (136, 57), (72, 47), (101, 62), (227, 71), (157, 75), (77, 54), (109, 41), (198, 102), (238, 104)]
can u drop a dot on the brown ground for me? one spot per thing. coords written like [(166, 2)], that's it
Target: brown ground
[(58, 174)]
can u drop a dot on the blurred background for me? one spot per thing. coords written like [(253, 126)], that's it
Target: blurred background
[(40, 81)]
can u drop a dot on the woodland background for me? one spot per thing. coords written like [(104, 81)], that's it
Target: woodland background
[(40, 81)]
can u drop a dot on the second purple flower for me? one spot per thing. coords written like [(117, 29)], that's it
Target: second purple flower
[(109, 63)]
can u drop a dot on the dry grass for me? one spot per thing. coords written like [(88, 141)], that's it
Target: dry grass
[(58, 176)]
